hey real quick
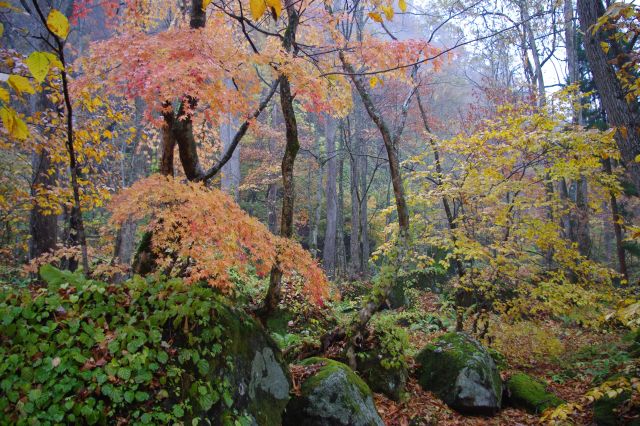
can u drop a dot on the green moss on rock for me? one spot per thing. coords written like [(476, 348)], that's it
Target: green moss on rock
[(390, 381), (334, 395), (528, 393), (462, 373)]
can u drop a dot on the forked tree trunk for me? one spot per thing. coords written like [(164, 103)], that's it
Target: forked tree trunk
[(273, 296)]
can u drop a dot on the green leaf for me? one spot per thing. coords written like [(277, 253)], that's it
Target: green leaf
[(178, 411), (162, 357), (124, 373), (141, 396), (203, 367)]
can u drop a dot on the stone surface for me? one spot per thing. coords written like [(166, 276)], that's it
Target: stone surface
[(461, 372), (333, 396)]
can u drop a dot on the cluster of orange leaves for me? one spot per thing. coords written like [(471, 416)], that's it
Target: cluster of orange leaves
[(208, 234), (158, 67)]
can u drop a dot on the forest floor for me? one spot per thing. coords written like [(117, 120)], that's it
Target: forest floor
[(584, 359)]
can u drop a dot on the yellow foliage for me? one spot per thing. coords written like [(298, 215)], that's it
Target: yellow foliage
[(58, 23), (525, 342)]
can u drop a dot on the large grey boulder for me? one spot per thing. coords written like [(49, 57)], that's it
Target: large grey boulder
[(251, 363), (461, 372), (333, 396)]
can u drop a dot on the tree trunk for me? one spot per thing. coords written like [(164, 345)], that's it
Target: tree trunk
[(168, 143), (390, 146), (329, 249), (230, 178), (617, 226), (364, 215), (460, 294), (354, 241), (288, 191), (43, 226), (272, 200), (531, 41), (288, 160), (621, 114), (341, 249), (125, 239), (315, 203), (388, 275)]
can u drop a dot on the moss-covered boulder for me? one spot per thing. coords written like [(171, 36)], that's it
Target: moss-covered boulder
[(461, 372), (333, 395), (397, 296), (527, 392), (253, 367), (390, 380)]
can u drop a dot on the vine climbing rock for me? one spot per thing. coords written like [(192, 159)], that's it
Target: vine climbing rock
[(461, 372), (334, 395)]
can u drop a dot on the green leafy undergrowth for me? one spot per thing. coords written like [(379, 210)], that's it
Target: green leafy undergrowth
[(86, 352), (391, 342), (598, 362)]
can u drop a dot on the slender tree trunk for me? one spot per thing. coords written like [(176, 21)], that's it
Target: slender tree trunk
[(272, 201), (617, 221), (341, 249), (581, 221), (451, 223), (288, 160), (329, 249), (316, 204), (531, 41), (364, 214), (76, 222), (390, 145), (354, 241), (168, 143), (621, 114), (230, 179), (389, 275)]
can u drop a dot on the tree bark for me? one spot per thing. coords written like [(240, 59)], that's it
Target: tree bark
[(617, 225), (341, 249), (329, 248), (43, 226), (354, 163), (168, 143), (621, 114), (230, 179)]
